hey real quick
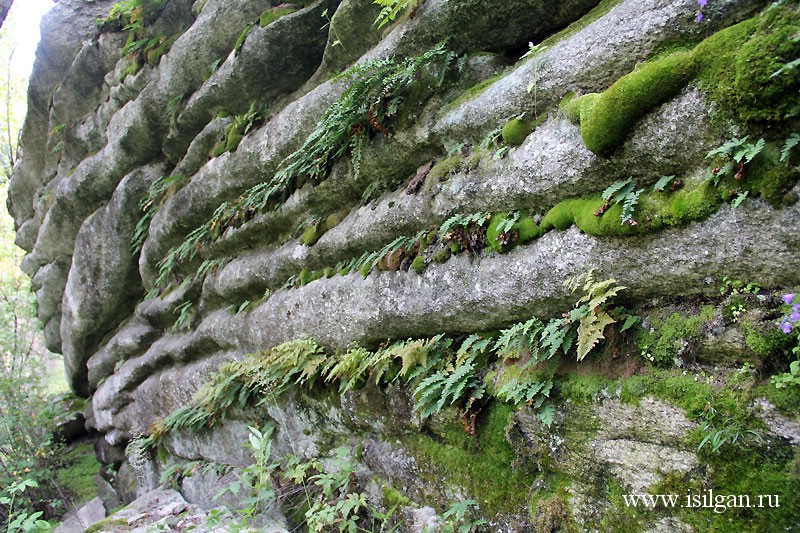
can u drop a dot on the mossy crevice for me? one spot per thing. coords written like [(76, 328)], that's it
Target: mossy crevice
[(606, 118), (271, 15), (482, 464)]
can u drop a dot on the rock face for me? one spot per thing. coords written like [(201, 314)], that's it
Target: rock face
[(246, 173)]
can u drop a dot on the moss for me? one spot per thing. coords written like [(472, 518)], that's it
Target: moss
[(79, 476), (786, 400), (335, 219), (218, 149), (475, 91), (232, 141), (108, 524), (493, 233), (768, 177), (767, 472), (313, 233), (306, 277), (619, 517), (242, 38), (418, 264), (552, 513), (442, 255), (581, 212), (607, 118), (528, 229), (365, 270), (271, 15), (667, 339), (654, 211), (599, 11), (737, 64), (516, 130), (450, 165), (571, 105), (394, 498), (583, 389), (675, 208), (735, 67), (766, 344), (482, 464), (131, 70)]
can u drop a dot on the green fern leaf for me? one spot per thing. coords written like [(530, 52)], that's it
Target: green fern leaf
[(618, 189), (590, 331)]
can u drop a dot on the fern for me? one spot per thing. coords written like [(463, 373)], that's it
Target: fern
[(791, 141), (376, 93), (662, 183), (519, 338), (530, 392), (618, 189), (445, 387), (472, 346), (589, 310), (348, 368), (390, 10), (293, 362), (185, 312), (464, 221), (736, 153), (158, 192), (624, 192)]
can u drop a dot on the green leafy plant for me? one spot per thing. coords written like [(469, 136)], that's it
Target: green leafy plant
[(134, 16), (255, 479), (785, 379), (791, 141), (789, 65), (238, 129), (459, 518), (736, 153), (185, 312), (448, 385), (622, 192), (730, 432), (237, 47), (439, 374), (330, 496), (22, 520), (590, 310), (390, 9), (158, 192), (131, 14)]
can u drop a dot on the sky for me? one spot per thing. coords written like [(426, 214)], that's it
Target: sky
[(24, 30)]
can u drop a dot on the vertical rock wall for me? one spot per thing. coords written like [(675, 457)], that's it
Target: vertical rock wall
[(169, 230)]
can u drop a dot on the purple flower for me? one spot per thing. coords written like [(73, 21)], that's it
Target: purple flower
[(702, 3), (794, 317), (796, 307), (787, 298), (786, 327), (699, 16)]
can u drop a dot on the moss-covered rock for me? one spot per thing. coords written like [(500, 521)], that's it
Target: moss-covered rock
[(271, 15), (607, 118)]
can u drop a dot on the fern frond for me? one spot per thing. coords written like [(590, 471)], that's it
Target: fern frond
[(590, 331), (618, 188), (472, 346)]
